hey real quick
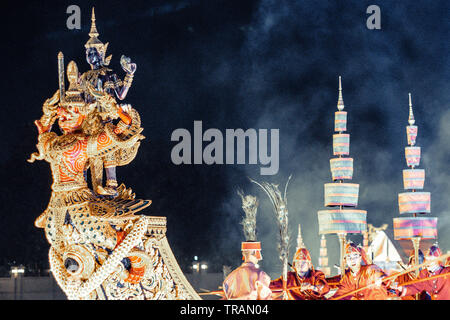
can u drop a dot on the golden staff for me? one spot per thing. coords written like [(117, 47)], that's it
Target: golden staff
[(218, 292), (299, 287), (393, 276), (443, 257), (425, 279)]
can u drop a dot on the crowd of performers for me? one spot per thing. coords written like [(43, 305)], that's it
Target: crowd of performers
[(360, 281)]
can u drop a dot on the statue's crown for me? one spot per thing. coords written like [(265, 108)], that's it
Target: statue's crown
[(94, 41)]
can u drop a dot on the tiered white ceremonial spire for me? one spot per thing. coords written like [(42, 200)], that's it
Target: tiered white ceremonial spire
[(412, 202), (341, 196)]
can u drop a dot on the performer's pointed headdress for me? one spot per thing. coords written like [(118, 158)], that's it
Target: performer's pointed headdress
[(301, 253), (250, 207), (94, 42)]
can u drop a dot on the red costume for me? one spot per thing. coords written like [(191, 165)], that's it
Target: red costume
[(312, 278), (315, 278), (410, 276), (439, 288)]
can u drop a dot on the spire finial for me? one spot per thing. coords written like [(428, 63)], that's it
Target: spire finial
[(300, 243), (340, 104), (93, 32), (94, 42), (411, 120)]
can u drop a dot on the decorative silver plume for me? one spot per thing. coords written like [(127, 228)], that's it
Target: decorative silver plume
[(279, 203), (250, 207)]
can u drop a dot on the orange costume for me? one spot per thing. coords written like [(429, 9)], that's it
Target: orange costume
[(311, 286), (248, 282), (367, 275)]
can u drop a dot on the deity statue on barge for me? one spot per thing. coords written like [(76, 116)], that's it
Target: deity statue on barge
[(99, 80)]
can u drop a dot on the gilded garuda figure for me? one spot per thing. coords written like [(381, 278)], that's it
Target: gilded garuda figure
[(94, 83), (91, 236)]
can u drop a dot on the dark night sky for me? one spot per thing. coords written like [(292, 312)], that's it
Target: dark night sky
[(237, 64)]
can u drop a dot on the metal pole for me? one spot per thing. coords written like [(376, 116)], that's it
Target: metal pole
[(342, 242), (53, 285), (15, 287), (20, 287), (366, 240), (416, 244)]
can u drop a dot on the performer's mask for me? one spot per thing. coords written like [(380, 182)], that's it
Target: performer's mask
[(353, 260), (433, 254), (256, 253), (302, 260), (302, 266), (355, 255)]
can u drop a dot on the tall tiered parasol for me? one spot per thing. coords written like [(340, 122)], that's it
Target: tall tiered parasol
[(415, 228), (341, 197)]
